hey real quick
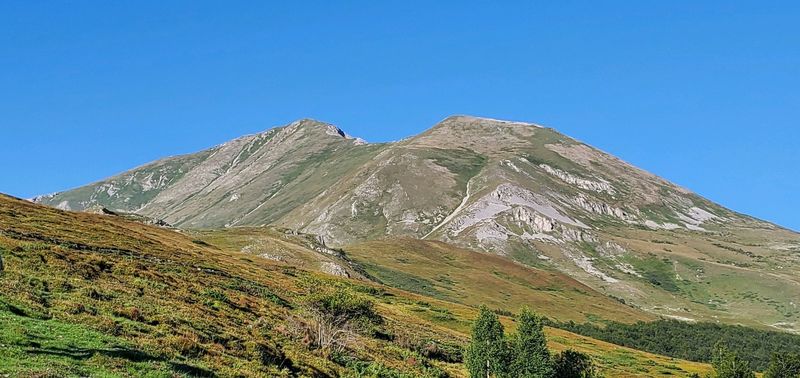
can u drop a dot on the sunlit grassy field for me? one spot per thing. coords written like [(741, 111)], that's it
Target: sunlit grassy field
[(93, 295)]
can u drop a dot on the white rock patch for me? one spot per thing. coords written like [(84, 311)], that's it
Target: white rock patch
[(533, 211), (272, 257), (628, 268), (585, 263), (333, 269), (663, 226), (597, 186), (600, 207), (693, 227), (701, 215), (681, 318), (541, 237), (491, 232), (511, 165)]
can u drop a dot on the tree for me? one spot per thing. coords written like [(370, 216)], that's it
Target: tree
[(487, 354), (573, 364), (727, 364), (531, 359), (783, 365)]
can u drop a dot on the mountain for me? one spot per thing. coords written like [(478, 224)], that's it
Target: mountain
[(518, 190), (251, 180), (99, 295)]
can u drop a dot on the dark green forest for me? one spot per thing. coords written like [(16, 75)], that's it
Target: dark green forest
[(692, 341)]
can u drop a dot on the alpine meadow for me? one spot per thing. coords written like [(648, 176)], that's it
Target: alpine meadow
[(399, 189)]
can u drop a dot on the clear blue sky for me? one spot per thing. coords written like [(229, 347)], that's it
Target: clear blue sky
[(706, 94)]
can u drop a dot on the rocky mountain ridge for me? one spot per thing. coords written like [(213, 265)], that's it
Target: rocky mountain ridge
[(515, 189)]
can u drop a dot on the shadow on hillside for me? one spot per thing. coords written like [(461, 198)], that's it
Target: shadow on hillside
[(132, 355)]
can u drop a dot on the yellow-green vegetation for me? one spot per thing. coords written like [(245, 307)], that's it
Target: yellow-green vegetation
[(97, 295), (734, 276), (463, 276), (280, 244)]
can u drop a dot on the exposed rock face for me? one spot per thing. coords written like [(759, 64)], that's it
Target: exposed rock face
[(601, 208), (534, 220), (334, 269), (597, 186)]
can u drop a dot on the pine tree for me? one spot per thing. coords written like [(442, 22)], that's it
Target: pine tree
[(487, 354), (727, 364), (531, 358), (783, 365)]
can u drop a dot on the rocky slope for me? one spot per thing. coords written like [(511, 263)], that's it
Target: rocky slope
[(251, 180), (509, 188)]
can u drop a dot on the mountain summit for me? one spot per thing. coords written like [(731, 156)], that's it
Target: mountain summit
[(515, 189)]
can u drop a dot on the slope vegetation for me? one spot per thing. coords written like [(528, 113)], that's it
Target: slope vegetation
[(463, 276), (98, 295)]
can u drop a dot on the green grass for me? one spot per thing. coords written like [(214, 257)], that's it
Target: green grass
[(462, 162), (659, 272), (404, 281), (52, 348), (100, 296), (474, 279)]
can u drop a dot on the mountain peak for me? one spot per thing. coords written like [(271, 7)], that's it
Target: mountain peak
[(311, 124), (484, 135), (484, 121)]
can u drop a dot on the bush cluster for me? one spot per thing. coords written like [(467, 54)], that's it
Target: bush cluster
[(336, 315)]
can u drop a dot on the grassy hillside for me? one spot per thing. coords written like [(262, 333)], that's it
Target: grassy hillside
[(94, 295), (463, 276), (737, 276), (282, 245)]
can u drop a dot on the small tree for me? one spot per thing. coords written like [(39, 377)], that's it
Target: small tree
[(531, 358), (783, 365), (487, 354), (573, 364), (727, 364), (336, 315)]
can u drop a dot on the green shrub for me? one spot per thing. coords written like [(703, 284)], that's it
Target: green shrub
[(573, 364), (336, 316), (370, 369)]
